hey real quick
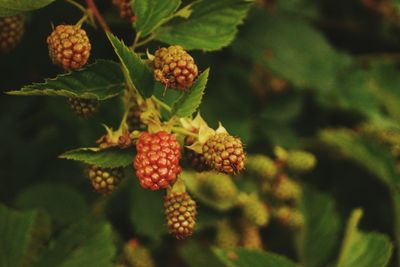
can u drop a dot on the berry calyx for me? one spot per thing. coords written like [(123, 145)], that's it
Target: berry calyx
[(195, 160), (180, 211), (84, 108), (157, 159), (125, 9), (69, 47), (174, 67), (224, 153), (11, 32), (105, 180)]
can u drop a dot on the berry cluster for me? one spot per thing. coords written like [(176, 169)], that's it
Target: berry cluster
[(11, 32), (83, 108), (125, 9), (104, 180)]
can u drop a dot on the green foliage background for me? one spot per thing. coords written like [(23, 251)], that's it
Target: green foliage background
[(339, 64)]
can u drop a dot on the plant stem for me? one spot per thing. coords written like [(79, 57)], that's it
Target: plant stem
[(83, 19), (134, 44), (162, 104), (145, 41), (93, 9), (184, 131)]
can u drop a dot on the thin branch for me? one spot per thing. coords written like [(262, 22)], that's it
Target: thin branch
[(93, 9)]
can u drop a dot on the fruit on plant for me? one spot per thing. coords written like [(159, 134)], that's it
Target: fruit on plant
[(84, 108), (254, 210), (224, 153), (157, 159), (174, 67), (11, 32), (69, 46), (218, 186), (289, 217), (105, 180), (285, 189), (180, 211), (136, 255), (125, 9), (261, 166), (195, 160), (250, 236), (133, 119), (226, 236), (301, 161)]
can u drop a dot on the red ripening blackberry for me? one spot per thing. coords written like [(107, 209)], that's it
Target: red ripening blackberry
[(69, 46), (157, 159), (174, 67)]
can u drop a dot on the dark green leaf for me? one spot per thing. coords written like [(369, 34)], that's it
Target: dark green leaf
[(190, 102), (106, 158), (245, 258), (16, 234), (63, 203), (318, 238), (211, 26), (363, 249), (101, 80), (150, 14), (137, 73), (196, 255), (12, 7)]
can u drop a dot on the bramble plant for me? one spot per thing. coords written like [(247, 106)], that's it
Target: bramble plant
[(227, 127)]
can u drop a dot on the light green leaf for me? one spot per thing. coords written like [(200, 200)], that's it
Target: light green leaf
[(245, 258), (317, 240), (86, 243), (211, 26), (136, 72), (150, 14), (363, 249), (146, 213), (196, 255), (63, 203), (364, 151), (16, 234), (101, 80), (106, 158), (12, 7), (190, 102)]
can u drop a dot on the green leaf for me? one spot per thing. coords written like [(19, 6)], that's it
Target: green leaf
[(364, 151), (63, 203), (137, 73), (363, 249), (16, 234), (106, 158), (211, 26), (12, 7), (101, 80), (146, 213), (150, 14), (86, 243), (190, 102), (318, 238), (196, 255), (245, 258)]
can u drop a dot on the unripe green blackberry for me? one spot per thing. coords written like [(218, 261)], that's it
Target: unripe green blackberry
[(195, 160), (250, 236), (226, 236), (224, 153), (261, 166), (218, 186), (125, 9), (136, 255), (174, 67), (180, 211), (84, 108), (286, 189), (11, 32), (105, 180), (290, 217), (69, 47), (254, 210), (301, 161)]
